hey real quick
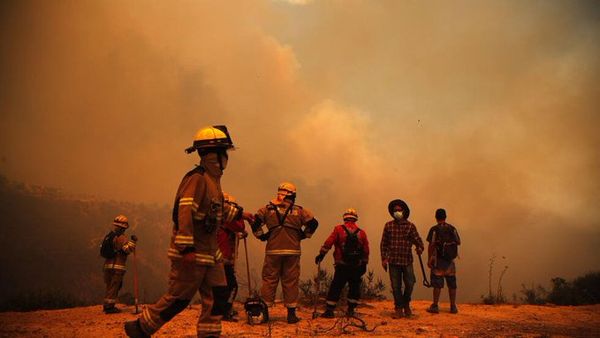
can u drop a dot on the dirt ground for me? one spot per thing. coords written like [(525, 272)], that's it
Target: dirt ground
[(473, 320)]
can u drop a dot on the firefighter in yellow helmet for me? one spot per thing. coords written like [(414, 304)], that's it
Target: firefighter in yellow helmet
[(115, 248), (283, 224), (196, 264)]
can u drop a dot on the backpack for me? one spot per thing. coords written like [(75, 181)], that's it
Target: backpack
[(107, 249), (447, 246), (352, 251)]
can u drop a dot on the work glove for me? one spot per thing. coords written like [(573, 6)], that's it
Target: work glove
[(248, 217), (384, 263), (134, 238), (319, 258), (242, 234), (362, 269), (264, 237)]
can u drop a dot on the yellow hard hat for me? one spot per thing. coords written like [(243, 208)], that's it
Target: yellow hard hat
[(351, 213), (287, 188), (121, 222), (211, 137)]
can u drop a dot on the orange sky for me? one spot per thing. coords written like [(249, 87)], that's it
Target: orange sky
[(486, 109)]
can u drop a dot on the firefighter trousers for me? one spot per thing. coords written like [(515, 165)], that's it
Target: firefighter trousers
[(343, 274), (184, 281), (286, 269), (113, 279), (225, 295)]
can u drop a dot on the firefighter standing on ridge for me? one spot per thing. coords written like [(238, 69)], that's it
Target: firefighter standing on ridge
[(227, 236), (286, 225), (196, 265), (351, 256), (115, 249)]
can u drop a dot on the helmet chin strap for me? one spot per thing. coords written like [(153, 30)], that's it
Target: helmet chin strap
[(220, 155)]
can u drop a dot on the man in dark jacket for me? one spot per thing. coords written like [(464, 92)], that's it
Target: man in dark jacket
[(443, 248), (351, 256), (399, 235)]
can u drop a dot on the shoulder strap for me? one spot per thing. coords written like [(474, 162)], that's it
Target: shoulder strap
[(280, 219), (348, 233)]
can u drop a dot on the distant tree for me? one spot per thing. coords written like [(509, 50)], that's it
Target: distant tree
[(581, 291)]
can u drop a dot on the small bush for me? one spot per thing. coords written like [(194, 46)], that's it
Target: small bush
[(369, 288), (581, 291), (498, 296), (535, 295), (372, 289)]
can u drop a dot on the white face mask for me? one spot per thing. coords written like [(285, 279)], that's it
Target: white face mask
[(398, 215)]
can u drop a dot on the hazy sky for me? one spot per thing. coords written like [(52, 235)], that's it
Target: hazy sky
[(488, 109)]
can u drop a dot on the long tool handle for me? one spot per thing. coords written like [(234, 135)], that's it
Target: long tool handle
[(135, 281), (248, 269), (317, 290), (425, 281), (235, 250)]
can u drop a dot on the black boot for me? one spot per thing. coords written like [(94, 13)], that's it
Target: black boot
[(350, 311), (407, 310), (134, 330), (108, 309), (229, 317), (328, 312), (291, 316)]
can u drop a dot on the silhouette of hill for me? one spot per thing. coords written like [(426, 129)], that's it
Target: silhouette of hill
[(50, 244)]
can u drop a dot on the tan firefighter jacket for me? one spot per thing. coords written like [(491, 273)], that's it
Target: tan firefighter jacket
[(198, 211), (284, 238), (124, 247)]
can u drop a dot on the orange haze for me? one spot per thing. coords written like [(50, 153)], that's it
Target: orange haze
[(488, 109)]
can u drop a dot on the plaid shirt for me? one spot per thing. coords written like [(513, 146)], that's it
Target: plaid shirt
[(397, 240)]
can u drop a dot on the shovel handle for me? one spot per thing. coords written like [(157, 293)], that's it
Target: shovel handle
[(248, 269), (425, 281)]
